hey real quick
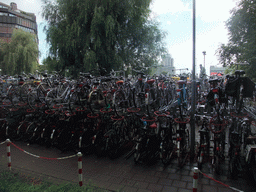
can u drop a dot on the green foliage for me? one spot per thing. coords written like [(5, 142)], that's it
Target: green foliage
[(242, 38), (50, 64), (20, 54), (90, 34)]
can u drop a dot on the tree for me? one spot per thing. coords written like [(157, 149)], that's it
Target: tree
[(20, 54), (51, 64), (89, 34), (242, 37)]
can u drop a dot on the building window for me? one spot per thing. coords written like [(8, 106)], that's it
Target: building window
[(5, 35), (3, 14), (1, 6)]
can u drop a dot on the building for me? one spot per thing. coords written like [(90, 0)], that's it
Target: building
[(167, 65), (215, 70), (11, 17)]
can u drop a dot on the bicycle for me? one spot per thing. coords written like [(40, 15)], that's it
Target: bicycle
[(166, 131), (182, 140), (203, 154), (217, 126)]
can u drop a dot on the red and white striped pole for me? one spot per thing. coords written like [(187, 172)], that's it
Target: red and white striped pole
[(9, 153), (80, 175), (195, 179)]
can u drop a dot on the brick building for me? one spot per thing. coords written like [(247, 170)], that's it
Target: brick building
[(11, 17)]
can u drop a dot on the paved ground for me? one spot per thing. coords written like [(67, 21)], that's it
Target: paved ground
[(118, 174)]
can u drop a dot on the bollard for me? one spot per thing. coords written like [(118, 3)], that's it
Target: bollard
[(9, 153), (80, 175), (195, 179)]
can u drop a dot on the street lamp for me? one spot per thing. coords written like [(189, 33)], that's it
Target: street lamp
[(204, 53), (193, 100)]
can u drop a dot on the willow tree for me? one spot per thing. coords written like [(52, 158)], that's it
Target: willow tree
[(20, 54), (242, 38), (96, 34)]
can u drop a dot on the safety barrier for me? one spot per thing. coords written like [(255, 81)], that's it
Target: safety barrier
[(79, 154), (195, 180)]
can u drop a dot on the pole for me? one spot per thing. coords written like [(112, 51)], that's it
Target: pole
[(80, 174), (195, 179), (193, 102), (9, 153), (204, 53)]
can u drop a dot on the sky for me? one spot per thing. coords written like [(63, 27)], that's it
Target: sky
[(175, 18)]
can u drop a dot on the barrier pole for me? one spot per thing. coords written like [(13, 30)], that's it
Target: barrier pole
[(9, 153), (195, 179), (80, 175)]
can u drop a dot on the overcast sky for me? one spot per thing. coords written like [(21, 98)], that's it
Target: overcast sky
[(175, 17)]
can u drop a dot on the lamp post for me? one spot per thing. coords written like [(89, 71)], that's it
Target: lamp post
[(193, 101), (204, 53)]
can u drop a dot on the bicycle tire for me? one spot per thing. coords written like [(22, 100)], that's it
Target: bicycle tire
[(137, 153), (233, 168), (166, 152), (13, 95), (118, 99), (49, 98), (217, 164)]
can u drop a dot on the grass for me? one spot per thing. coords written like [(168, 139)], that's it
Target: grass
[(18, 182)]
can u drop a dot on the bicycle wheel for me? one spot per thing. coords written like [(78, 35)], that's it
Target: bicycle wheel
[(108, 99), (184, 149), (100, 144), (11, 132), (254, 172), (50, 97), (41, 92), (61, 88), (83, 95), (32, 99), (200, 159), (233, 168), (25, 89), (13, 95), (74, 101), (29, 131), (118, 99), (21, 129), (161, 98), (166, 151), (217, 164), (137, 153)]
